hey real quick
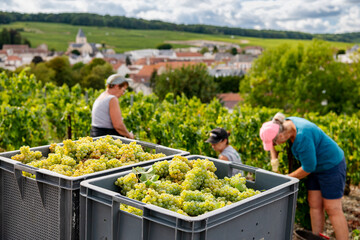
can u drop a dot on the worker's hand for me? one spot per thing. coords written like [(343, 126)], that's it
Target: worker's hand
[(131, 135), (275, 165)]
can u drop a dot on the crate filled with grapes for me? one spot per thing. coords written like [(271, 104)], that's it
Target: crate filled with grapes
[(191, 197), (39, 189)]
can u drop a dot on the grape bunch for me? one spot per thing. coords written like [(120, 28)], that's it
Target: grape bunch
[(187, 187), (27, 156), (85, 156)]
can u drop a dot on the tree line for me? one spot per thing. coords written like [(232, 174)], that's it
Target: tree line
[(91, 19), (12, 36)]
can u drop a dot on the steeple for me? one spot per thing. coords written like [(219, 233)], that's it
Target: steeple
[(80, 37)]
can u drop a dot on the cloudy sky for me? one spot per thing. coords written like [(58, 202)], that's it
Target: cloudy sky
[(313, 16)]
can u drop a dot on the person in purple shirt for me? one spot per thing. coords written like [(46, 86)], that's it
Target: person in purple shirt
[(322, 163)]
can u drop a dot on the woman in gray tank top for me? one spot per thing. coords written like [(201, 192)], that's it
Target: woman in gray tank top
[(219, 139), (106, 116)]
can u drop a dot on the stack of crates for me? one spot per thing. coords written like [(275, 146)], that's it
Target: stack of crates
[(48, 207)]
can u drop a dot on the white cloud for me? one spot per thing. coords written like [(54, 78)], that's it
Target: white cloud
[(315, 16), (349, 22), (305, 25)]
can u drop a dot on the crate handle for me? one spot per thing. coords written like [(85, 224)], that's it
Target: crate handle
[(243, 167), (18, 168), (128, 201), (146, 144), (25, 168)]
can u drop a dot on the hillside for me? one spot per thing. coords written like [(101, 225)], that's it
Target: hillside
[(91, 19), (58, 35)]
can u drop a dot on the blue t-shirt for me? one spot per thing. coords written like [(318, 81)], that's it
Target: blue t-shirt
[(313, 148)]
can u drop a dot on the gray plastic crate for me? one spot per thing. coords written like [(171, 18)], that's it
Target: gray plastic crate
[(48, 207), (268, 215)]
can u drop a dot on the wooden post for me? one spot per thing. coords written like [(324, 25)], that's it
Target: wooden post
[(69, 126)]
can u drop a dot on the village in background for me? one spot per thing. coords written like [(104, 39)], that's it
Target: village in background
[(222, 59)]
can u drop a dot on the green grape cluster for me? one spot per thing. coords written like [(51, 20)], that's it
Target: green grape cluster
[(85, 156), (127, 182), (27, 156), (238, 182), (161, 168), (167, 187), (194, 178), (53, 158), (178, 169), (66, 160), (199, 192), (138, 192), (62, 169), (229, 193), (164, 200), (131, 209)]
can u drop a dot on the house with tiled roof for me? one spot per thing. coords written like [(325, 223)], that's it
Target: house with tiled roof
[(150, 60), (230, 99), (164, 66), (254, 50), (13, 62), (243, 61), (24, 52), (144, 75), (189, 56)]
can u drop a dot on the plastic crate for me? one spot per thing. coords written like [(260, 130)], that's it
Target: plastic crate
[(268, 215), (48, 207)]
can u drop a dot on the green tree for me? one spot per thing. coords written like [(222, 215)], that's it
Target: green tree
[(76, 52), (204, 50), (127, 61), (37, 59), (164, 46), (302, 79), (63, 74), (192, 80), (5, 37), (96, 78), (215, 49), (228, 84), (233, 51), (43, 72)]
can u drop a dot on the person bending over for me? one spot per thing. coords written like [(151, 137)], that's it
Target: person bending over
[(322, 163)]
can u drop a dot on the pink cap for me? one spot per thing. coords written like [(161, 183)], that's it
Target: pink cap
[(268, 132)]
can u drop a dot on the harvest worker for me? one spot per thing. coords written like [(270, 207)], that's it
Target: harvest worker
[(219, 139), (322, 162), (106, 114)]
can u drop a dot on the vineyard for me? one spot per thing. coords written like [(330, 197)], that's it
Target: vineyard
[(33, 115)]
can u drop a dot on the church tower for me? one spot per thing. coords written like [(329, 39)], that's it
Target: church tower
[(80, 37)]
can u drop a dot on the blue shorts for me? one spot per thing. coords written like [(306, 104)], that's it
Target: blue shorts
[(330, 182)]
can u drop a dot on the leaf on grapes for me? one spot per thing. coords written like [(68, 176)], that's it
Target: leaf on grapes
[(148, 183), (154, 178), (143, 178), (240, 186), (138, 170), (151, 170)]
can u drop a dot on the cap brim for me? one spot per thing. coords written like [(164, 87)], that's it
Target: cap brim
[(268, 145), (211, 140)]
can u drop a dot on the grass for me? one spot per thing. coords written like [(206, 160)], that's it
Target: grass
[(58, 36)]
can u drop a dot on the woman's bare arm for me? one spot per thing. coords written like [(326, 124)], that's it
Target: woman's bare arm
[(116, 118)]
